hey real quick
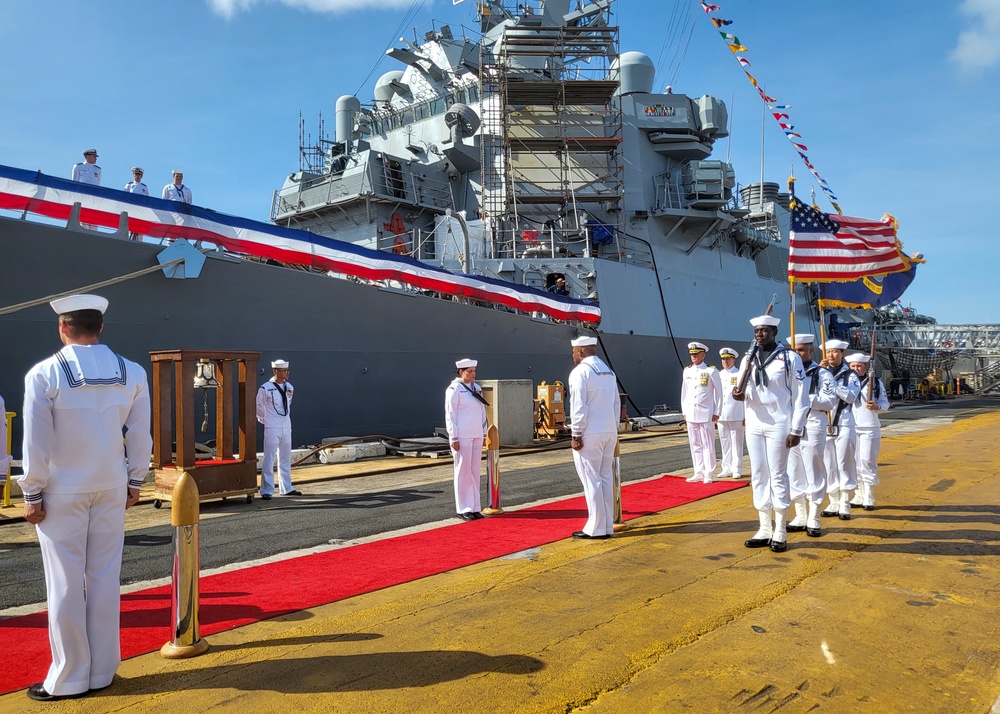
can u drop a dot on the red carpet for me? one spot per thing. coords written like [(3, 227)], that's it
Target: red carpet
[(261, 592)]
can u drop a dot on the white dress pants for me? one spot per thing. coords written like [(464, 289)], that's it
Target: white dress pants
[(81, 541), (806, 469), (594, 465), (769, 467), (468, 473), (701, 439), (277, 441), (731, 439), (869, 443), (841, 471)]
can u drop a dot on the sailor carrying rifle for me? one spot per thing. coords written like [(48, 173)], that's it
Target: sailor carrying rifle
[(872, 400), (841, 470)]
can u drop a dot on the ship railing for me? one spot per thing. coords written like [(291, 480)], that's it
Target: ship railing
[(671, 193), (568, 242)]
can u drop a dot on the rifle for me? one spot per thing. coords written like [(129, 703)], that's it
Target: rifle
[(871, 364), (754, 348)]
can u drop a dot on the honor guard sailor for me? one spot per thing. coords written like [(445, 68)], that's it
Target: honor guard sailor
[(87, 171), (594, 411), (841, 442), (274, 411), (869, 429), (701, 404), (177, 191), (777, 406), (136, 185), (731, 424), (79, 477), (806, 470), (465, 420)]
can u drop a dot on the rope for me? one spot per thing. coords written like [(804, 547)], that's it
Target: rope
[(88, 288)]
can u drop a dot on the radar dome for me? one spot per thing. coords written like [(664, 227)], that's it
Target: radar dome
[(635, 73), (347, 105), (383, 87)]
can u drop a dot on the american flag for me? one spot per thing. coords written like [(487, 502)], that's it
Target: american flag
[(827, 248)]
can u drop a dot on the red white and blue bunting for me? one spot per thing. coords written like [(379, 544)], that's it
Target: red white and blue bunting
[(53, 197)]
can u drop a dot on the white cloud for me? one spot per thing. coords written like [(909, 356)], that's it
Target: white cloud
[(977, 47), (230, 8)]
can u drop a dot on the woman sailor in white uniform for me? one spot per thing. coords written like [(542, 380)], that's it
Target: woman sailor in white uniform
[(465, 419), (869, 430)]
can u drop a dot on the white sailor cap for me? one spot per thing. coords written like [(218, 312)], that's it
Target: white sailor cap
[(177, 171), (466, 363), (279, 364), (137, 170), (728, 352), (72, 303), (835, 345), (801, 339), (584, 342), (90, 151), (768, 320), (857, 357), (696, 347)]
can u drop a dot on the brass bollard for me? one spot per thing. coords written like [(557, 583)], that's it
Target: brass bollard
[(493, 472), (616, 470), (185, 640)]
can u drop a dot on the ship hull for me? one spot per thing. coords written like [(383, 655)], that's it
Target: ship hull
[(364, 360)]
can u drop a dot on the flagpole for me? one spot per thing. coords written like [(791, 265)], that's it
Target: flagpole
[(822, 330), (791, 320), (763, 119)]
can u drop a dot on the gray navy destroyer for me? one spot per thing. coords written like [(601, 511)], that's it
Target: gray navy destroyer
[(532, 152)]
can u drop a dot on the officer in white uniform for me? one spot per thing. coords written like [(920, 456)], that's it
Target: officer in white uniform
[(177, 191), (465, 420), (79, 477), (777, 405), (87, 171), (701, 404), (731, 424), (806, 470), (136, 185), (841, 442), (869, 429), (274, 411), (594, 412)]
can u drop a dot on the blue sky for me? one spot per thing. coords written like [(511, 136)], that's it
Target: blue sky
[(897, 101)]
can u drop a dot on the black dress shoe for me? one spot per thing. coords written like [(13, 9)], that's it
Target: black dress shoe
[(829, 514), (465, 516), (581, 534), (476, 515), (265, 497), (814, 532), (757, 542), (844, 516), (38, 693), (869, 508), (778, 546), (795, 529), (293, 492)]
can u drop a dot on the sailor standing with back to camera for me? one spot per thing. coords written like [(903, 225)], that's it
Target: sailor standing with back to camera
[(274, 411), (79, 477), (777, 405), (465, 419), (594, 412)]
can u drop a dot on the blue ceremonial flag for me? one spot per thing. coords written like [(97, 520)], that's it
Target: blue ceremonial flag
[(869, 292)]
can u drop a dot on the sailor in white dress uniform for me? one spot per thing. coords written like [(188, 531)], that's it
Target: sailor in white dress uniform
[(79, 477), (5, 458), (869, 429), (465, 420), (594, 412), (701, 404), (841, 442), (731, 426), (274, 411), (87, 171), (177, 191), (806, 470), (777, 405), (136, 185)]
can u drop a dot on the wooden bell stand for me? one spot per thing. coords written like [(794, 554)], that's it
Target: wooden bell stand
[(223, 475)]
